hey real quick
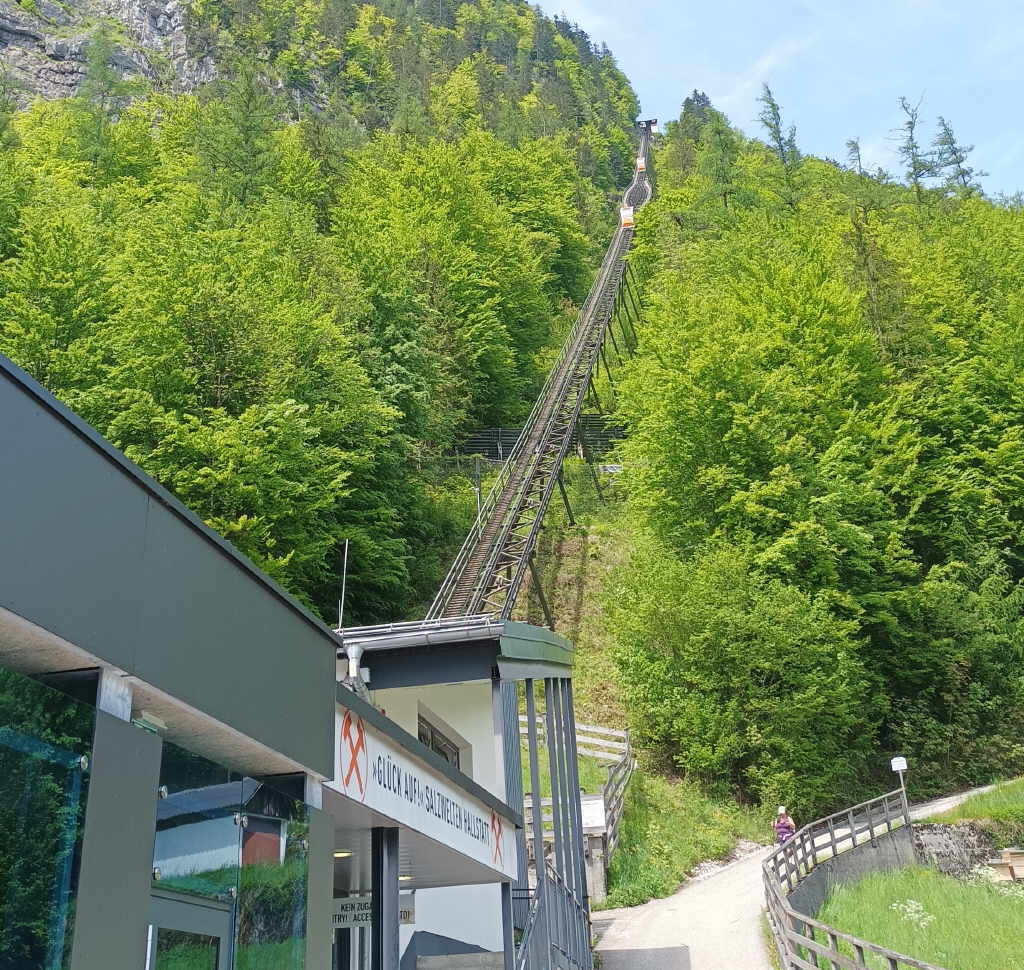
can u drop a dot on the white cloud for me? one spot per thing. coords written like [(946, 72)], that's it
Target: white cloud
[(747, 85)]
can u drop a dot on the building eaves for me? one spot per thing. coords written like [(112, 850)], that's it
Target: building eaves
[(94, 439)]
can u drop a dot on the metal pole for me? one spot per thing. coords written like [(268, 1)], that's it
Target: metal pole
[(568, 815), (344, 579), (538, 811), (580, 860), (513, 757), (557, 801), (630, 281), (477, 478), (615, 343), (607, 369), (540, 593), (906, 804), (384, 900), (593, 471), (507, 927), (597, 400), (565, 498), (571, 707)]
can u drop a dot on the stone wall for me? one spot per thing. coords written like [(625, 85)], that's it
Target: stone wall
[(954, 849)]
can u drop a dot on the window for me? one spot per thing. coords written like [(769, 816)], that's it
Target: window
[(438, 743)]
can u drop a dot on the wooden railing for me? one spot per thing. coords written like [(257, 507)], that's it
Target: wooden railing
[(614, 749), (615, 795), (804, 943)]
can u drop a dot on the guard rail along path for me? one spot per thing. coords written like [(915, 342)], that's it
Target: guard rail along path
[(491, 567), (809, 944)]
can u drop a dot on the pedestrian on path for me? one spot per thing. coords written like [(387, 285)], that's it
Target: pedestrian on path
[(784, 826)]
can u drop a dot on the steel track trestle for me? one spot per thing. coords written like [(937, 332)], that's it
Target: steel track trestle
[(495, 559)]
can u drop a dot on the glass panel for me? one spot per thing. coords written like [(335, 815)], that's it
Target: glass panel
[(45, 744), (198, 835), (176, 950), (272, 891)]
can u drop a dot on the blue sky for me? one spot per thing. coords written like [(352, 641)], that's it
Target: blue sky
[(837, 68)]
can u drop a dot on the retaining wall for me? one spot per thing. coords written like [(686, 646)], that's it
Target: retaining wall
[(892, 850)]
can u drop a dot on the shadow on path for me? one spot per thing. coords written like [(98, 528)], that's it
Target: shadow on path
[(665, 958)]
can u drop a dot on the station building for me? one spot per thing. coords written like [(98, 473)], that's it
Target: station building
[(188, 777)]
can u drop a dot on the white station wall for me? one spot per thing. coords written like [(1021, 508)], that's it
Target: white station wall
[(471, 914)]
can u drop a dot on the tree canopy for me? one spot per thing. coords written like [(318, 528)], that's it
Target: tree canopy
[(824, 459), (289, 314)]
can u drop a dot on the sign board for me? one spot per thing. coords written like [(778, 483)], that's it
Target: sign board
[(899, 764), (592, 807), (351, 912), (372, 769)]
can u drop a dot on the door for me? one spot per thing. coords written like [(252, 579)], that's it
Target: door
[(187, 933)]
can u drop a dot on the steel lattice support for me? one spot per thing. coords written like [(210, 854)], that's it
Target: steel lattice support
[(491, 568)]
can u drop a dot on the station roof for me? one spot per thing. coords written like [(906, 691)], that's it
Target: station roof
[(102, 566), (456, 650)]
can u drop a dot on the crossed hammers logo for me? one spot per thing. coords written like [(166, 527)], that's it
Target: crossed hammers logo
[(498, 831), (354, 763)]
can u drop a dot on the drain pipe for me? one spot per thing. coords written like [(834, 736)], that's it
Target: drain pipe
[(354, 675)]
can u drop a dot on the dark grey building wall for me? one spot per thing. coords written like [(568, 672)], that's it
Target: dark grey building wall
[(320, 895), (99, 554), (112, 908), (893, 850)]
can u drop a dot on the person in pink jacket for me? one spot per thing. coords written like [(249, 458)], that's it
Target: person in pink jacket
[(784, 826)]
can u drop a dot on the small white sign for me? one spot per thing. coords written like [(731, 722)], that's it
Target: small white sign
[(593, 813), (899, 764), (354, 911)]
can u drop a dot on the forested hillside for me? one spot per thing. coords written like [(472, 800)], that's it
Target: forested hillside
[(824, 469), (286, 293)]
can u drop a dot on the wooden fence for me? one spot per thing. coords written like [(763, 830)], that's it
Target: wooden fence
[(613, 749), (804, 943)]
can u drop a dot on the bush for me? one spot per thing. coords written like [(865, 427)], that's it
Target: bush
[(743, 683)]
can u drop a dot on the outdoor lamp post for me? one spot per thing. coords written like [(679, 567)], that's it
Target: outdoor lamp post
[(899, 765)]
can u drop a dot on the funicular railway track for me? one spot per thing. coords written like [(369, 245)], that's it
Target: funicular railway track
[(492, 565)]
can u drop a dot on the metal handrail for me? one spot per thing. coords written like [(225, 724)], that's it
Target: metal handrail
[(801, 940)]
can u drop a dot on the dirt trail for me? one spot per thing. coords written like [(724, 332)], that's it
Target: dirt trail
[(712, 923)]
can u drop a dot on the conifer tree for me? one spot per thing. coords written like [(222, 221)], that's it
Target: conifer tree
[(920, 165), (951, 158), (716, 157), (104, 94), (235, 139), (783, 146)]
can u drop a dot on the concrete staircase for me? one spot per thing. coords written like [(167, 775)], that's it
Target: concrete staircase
[(463, 961), (1009, 867)]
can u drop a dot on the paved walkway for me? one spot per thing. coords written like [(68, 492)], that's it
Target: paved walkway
[(712, 923)]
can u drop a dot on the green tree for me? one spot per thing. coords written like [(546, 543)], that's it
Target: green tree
[(952, 158), (920, 165), (784, 147)]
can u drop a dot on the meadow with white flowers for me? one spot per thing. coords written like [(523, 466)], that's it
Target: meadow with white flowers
[(972, 924)]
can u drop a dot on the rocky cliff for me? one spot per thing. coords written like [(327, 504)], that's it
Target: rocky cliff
[(43, 43)]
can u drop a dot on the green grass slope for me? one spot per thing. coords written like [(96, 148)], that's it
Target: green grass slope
[(932, 917), (1000, 812)]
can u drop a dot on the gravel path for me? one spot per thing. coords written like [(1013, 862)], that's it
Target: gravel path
[(712, 923)]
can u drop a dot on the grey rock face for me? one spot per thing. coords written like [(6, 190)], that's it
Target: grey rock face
[(954, 849), (43, 48)]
